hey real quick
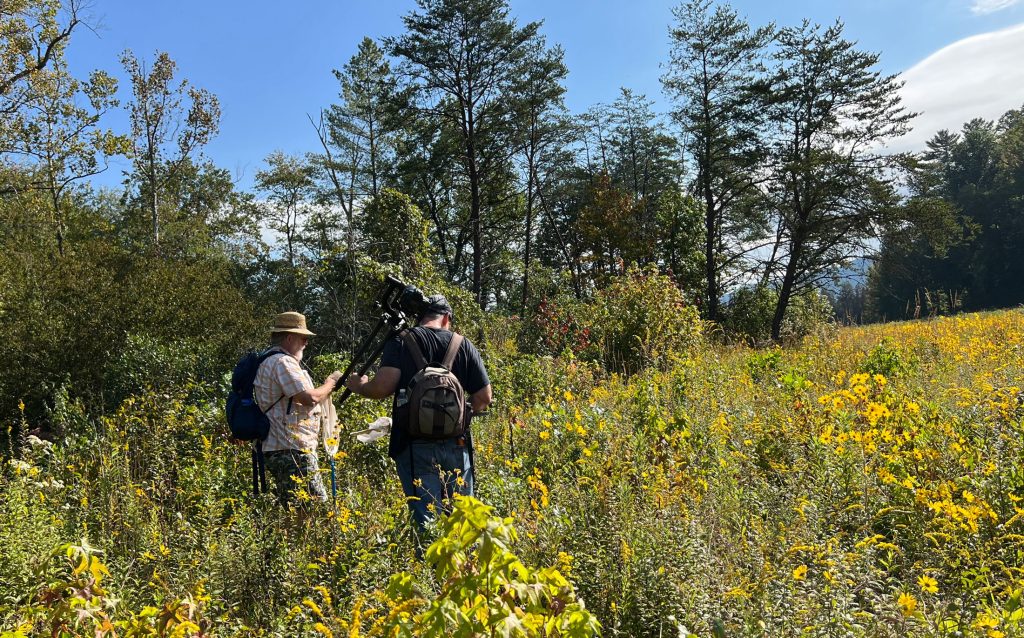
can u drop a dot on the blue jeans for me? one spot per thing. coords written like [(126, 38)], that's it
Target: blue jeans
[(432, 471)]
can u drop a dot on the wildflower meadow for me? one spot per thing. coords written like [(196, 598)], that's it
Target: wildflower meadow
[(862, 482)]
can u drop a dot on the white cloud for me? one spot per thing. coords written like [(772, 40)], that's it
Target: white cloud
[(982, 7), (981, 76)]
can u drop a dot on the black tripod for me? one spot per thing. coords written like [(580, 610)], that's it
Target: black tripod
[(393, 319)]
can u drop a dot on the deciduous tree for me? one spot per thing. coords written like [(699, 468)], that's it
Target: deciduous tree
[(170, 123), (57, 130)]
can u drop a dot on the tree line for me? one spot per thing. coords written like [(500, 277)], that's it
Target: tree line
[(450, 159)]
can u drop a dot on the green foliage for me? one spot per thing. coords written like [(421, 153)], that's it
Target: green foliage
[(27, 29), (714, 66), (455, 124), (829, 202), (764, 364), (74, 603), (715, 489), (681, 236), (807, 312), (887, 360), (486, 589), (72, 319), (62, 136), (960, 244), (642, 319), (359, 134), (164, 133), (146, 362), (749, 313), (394, 232)]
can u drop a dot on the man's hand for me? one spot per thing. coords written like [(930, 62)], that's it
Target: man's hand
[(383, 384), (333, 378), (356, 381)]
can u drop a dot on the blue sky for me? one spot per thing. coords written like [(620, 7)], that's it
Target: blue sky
[(270, 63)]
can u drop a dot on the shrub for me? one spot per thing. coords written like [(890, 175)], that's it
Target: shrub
[(71, 319), (74, 602), (748, 314), (146, 361), (396, 232), (806, 313), (750, 310), (764, 365), (887, 360), (642, 319), (485, 590), (559, 325)]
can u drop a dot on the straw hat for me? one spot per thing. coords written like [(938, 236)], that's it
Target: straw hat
[(291, 322)]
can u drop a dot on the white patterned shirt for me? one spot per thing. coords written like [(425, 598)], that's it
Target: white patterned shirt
[(292, 426)]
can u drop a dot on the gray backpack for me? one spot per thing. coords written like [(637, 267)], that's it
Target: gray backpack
[(436, 400)]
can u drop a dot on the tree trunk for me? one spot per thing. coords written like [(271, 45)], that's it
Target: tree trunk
[(474, 209), (59, 221), (154, 203), (786, 291), (531, 171), (710, 267), (372, 137)]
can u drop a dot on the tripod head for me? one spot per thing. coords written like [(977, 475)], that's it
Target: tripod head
[(400, 302)]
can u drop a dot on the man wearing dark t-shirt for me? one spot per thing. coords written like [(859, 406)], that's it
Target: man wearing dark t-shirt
[(430, 470)]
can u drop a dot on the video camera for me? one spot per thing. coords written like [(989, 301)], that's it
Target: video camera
[(412, 301)]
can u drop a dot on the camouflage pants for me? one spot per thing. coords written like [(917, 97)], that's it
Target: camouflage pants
[(296, 474)]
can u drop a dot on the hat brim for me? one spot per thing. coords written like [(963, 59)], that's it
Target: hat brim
[(297, 331)]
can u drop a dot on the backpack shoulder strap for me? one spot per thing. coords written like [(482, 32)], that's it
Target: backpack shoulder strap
[(453, 351), (414, 348), (266, 354)]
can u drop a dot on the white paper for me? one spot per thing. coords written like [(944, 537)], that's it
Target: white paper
[(378, 429)]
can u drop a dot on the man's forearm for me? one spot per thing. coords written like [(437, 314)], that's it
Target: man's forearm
[(316, 395), (374, 389), (382, 385), (319, 394)]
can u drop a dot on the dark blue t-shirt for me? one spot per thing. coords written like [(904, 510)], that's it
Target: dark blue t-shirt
[(468, 368)]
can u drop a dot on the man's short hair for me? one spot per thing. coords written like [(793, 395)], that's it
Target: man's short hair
[(277, 338), (431, 316)]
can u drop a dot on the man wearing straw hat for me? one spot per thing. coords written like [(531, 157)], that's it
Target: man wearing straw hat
[(286, 393)]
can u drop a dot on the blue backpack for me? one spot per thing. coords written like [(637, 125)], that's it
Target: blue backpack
[(245, 418)]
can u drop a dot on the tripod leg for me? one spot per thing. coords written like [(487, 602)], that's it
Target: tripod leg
[(363, 347)]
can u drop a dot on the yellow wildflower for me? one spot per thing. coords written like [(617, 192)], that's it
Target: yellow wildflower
[(928, 584), (907, 604)]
